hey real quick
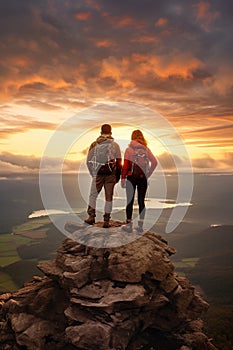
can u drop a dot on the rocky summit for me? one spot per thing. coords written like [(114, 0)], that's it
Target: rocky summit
[(120, 298)]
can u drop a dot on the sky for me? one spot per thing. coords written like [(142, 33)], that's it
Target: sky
[(65, 58)]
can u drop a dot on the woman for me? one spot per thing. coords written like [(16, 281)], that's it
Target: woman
[(139, 164)]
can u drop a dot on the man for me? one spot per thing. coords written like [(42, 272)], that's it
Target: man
[(104, 165)]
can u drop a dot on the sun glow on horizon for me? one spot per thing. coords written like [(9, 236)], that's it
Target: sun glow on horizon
[(33, 123)]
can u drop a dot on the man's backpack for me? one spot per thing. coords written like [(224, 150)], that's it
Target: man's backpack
[(140, 163), (103, 160)]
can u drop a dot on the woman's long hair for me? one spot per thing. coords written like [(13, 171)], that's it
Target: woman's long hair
[(138, 135)]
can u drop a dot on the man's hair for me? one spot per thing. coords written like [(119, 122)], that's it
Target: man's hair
[(106, 129)]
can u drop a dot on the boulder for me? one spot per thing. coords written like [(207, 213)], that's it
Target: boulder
[(124, 297)]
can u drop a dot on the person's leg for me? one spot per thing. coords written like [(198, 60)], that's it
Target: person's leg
[(109, 183), (96, 186), (141, 189), (130, 193)]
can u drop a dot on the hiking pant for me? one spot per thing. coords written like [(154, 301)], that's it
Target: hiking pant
[(131, 185), (98, 182)]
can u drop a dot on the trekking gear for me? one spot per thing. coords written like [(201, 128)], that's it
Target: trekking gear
[(103, 161), (128, 227), (106, 220), (90, 220), (106, 216), (140, 163), (91, 211), (139, 228), (106, 224)]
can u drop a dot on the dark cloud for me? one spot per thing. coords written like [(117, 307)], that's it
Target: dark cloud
[(214, 128), (173, 55), (16, 163), (228, 160), (209, 162), (30, 162), (33, 87), (171, 161), (205, 163)]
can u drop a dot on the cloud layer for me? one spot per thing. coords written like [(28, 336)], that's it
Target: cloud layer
[(175, 57), (82, 50)]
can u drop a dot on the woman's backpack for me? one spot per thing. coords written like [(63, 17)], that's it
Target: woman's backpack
[(140, 163)]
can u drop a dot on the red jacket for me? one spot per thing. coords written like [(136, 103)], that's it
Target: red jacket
[(129, 157)]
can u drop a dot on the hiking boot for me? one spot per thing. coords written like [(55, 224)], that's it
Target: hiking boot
[(106, 224), (90, 220), (139, 228), (106, 220), (128, 227)]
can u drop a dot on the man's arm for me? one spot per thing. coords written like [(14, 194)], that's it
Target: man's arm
[(90, 155), (118, 162)]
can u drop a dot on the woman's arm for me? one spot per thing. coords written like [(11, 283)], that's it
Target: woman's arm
[(153, 162), (127, 164)]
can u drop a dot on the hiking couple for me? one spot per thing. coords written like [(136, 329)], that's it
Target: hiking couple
[(105, 166)]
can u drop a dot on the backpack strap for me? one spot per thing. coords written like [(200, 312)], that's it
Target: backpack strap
[(111, 156), (93, 160)]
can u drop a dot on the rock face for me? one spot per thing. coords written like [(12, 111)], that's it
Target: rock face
[(127, 297)]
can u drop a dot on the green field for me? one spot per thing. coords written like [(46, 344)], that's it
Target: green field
[(8, 248), (8, 256), (6, 283), (11, 246), (186, 263), (42, 224)]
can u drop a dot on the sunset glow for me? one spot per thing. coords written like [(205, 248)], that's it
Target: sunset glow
[(59, 58)]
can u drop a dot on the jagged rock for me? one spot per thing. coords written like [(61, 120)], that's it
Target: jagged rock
[(126, 297), (31, 331), (90, 336)]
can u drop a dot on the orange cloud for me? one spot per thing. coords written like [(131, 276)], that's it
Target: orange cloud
[(125, 21), (145, 39), (22, 124), (103, 43), (129, 21), (30, 85), (123, 70), (182, 66), (121, 22), (220, 134), (111, 67), (83, 16), (223, 78), (164, 67), (161, 22), (117, 70), (204, 15), (20, 61), (105, 14)]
